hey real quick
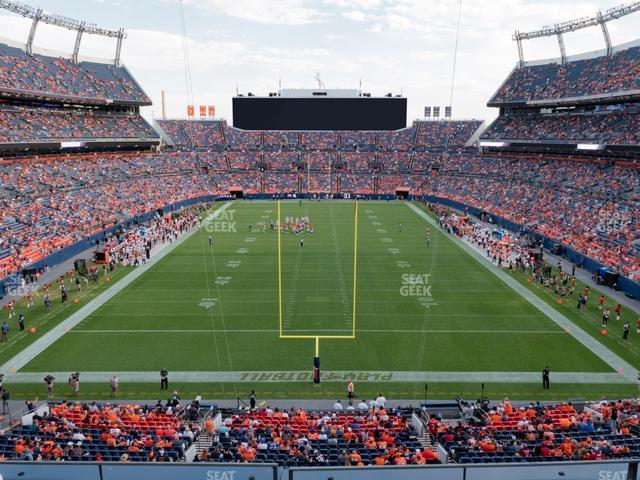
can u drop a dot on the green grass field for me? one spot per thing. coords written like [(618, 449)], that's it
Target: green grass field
[(222, 314)]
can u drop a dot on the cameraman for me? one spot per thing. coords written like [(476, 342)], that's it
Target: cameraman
[(74, 383), (48, 380)]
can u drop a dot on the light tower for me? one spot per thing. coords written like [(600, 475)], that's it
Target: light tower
[(80, 27), (559, 29)]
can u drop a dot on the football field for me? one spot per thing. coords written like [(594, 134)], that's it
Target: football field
[(364, 290)]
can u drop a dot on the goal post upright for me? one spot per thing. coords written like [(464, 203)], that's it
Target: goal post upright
[(355, 266), (279, 270)]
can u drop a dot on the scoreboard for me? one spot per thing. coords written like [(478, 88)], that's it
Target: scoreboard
[(319, 111)]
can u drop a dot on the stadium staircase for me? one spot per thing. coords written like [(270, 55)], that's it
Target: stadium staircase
[(425, 440), (412, 158), (203, 442), (223, 135), (425, 437)]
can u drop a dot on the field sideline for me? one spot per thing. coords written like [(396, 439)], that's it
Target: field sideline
[(211, 314)]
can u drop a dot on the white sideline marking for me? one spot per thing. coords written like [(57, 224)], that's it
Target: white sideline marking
[(44, 342), (332, 376), (625, 369)]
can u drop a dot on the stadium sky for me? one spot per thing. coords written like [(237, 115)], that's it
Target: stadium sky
[(392, 45)]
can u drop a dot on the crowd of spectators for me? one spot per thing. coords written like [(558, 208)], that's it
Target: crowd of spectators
[(242, 139), (600, 75), (280, 140), (394, 162), (357, 140), (101, 432), (51, 76), (48, 204), (389, 183), (611, 128), (298, 437), (356, 183), (203, 133), (23, 125), (428, 161), (280, 182), (319, 140), (397, 140), (243, 160), (195, 133), (248, 182), (448, 133), (358, 162), (536, 433), (281, 161), (618, 414), (319, 183), (589, 206), (174, 130), (133, 247), (318, 161), (421, 136), (366, 434), (213, 160)]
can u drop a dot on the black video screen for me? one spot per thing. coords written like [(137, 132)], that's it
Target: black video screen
[(279, 113)]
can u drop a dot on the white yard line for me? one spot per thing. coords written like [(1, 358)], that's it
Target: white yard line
[(290, 303), (219, 296), (624, 369), (342, 287), (427, 314), (210, 310), (44, 342)]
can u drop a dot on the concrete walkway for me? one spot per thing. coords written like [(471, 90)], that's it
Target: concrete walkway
[(624, 369)]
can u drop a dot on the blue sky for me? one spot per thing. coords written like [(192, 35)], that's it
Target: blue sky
[(392, 45)]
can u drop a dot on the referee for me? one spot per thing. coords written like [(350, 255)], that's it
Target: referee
[(545, 378)]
